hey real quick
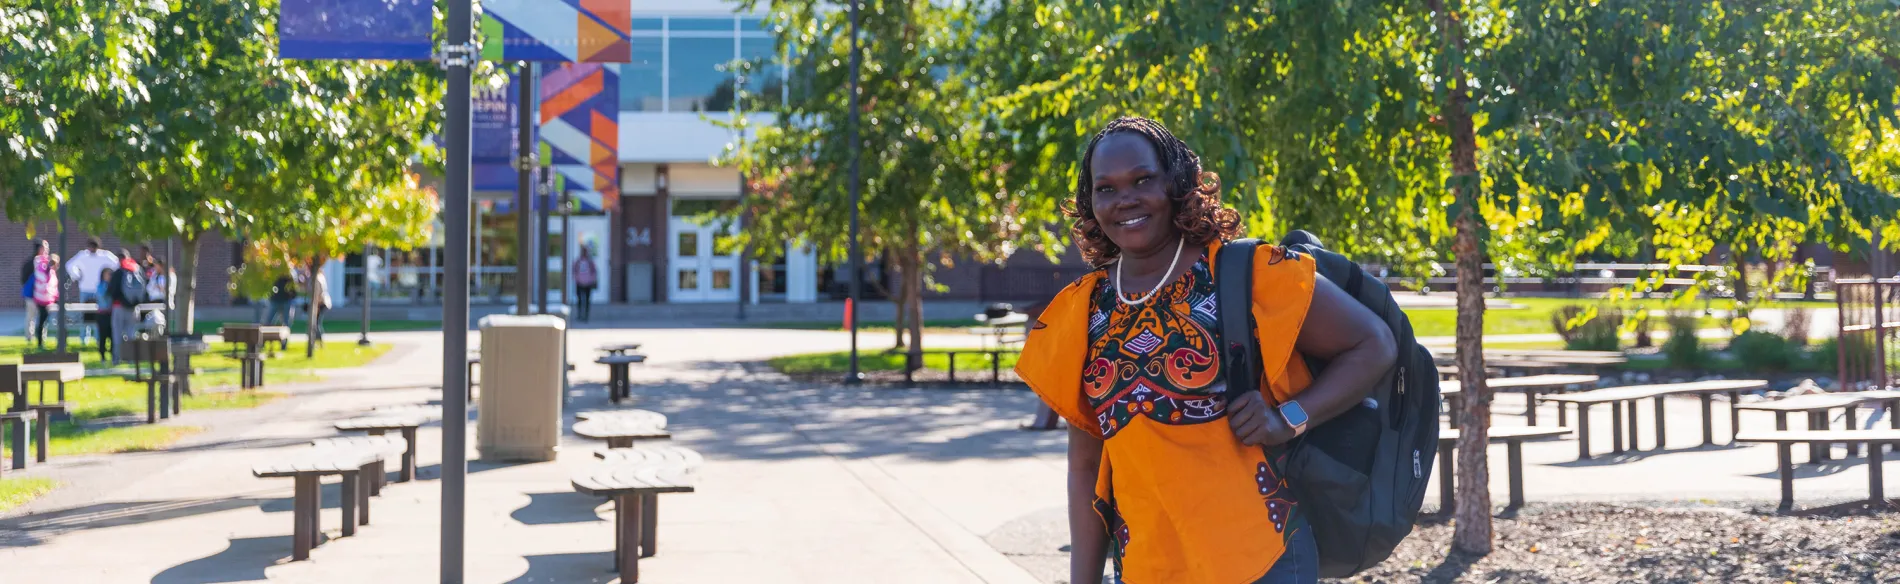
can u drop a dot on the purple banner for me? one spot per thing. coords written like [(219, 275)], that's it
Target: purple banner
[(356, 29), (493, 127)]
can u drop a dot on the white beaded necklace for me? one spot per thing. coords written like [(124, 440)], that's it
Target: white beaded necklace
[(1178, 246)]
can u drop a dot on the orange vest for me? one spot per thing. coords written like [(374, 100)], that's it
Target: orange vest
[(1188, 494)]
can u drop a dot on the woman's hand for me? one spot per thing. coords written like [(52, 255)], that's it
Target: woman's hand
[(1257, 424)]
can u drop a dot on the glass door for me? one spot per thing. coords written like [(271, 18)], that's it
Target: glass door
[(703, 254)]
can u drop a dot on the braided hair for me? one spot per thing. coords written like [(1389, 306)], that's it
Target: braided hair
[(1193, 195)]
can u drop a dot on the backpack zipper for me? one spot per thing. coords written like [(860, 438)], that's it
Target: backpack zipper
[(1417, 471)]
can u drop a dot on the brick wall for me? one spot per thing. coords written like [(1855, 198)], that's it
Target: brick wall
[(216, 255)]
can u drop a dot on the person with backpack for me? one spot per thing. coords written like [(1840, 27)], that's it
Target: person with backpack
[(1171, 475), (127, 290), (45, 291), (586, 277), (26, 287), (102, 314)]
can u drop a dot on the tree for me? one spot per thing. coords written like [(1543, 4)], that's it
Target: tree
[(228, 138), (397, 217), (1538, 130), (927, 191)]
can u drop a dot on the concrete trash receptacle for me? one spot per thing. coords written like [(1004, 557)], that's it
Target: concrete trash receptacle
[(522, 371)]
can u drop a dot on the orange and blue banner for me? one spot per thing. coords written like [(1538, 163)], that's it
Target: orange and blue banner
[(577, 31), (580, 125)]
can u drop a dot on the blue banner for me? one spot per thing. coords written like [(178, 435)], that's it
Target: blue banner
[(356, 29), (492, 123)]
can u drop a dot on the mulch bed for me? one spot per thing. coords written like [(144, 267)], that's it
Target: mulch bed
[(1611, 543)]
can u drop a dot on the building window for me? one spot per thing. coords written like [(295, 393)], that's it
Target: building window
[(696, 75), (764, 77), (641, 88)]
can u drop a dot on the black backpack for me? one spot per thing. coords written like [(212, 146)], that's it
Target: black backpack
[(1359, 478)]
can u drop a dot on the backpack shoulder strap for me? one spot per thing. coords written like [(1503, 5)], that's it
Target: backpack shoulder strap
[(1233, 284)]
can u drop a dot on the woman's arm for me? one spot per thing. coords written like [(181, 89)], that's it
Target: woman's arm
[(1088, 540), (1358, 349)]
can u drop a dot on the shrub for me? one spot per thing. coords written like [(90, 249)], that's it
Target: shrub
[(1762, 351), (1684, 350), (1600, 333), (1644, 326), (1825, 356)]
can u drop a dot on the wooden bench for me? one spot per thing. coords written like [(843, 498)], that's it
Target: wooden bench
[(629, 486), (1818, 405), (1621, 398), (247, 340), (620, 432), (1784, 441), (388, 446), (307, 469), (1530, 386), (619, 382), (633, 416), (381, 424), (1513, 438)]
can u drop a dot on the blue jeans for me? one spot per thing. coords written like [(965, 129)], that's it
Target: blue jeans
[(1300, 563)]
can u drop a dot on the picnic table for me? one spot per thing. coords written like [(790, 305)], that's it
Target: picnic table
[(649, 417), (621, 431), (1784, 441), (308, 470), (1003, 330), (1530, 386), (380, 424), (59, 373), (248, 338), (619, 348), (1621, 397), (1817, 407), (619, 380)]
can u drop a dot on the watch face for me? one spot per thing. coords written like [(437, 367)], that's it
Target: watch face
[(1294, 414)]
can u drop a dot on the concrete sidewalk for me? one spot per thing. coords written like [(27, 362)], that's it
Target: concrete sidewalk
[(803, 483)]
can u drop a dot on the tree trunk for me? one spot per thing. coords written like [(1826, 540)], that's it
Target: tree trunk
[(1741, 285), (914, 279), (187, 272), (898, 302), (310, 294), (1471, 533)]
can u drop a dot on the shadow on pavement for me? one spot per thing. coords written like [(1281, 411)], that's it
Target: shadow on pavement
[(582, 568), (558, 507), (1609, 458), (1807, 470), (28, 530), (244, 561)]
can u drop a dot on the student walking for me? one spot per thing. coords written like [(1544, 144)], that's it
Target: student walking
[(1131, 355), (127, 291), (586, 277), (26, 288), (45, 291), (320, 294)]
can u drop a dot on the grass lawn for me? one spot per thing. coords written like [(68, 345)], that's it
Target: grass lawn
[(340, 321), (16, 492), (879, 361), (106, 393), (939, 325), (1532, 315)]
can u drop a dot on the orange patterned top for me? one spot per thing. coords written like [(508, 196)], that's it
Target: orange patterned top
[(1183, 500)]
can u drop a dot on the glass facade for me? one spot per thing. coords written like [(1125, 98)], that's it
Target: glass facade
[(691, 64)]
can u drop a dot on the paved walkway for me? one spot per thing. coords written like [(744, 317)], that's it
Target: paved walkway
[(803, 483)]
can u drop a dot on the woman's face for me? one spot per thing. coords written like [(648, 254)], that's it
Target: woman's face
[(1131, 195)]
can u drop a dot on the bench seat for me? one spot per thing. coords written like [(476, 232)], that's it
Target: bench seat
[(1784, 441), (1513, 438), (307, 469), (620, 432), (632, 486), (378, 425)]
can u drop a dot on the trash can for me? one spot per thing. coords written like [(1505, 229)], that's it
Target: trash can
[(522, 377)]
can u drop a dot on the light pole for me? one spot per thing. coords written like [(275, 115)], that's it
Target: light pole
[(857, 254), (524, 185), (62, 257), (458, 56)]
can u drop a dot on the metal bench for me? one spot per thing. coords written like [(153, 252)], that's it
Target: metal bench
[(620, 432), (1817, 407), (308, 469), (619, 382), (1530, 386), (388, 446), (629, 486), (247, 340), (1513, 438), (1621, 398), (161, 394), (996, 361), (1784, 441), (58, 368), (382, 424)]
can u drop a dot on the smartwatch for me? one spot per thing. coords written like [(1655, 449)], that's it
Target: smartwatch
[(1295, 416)]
